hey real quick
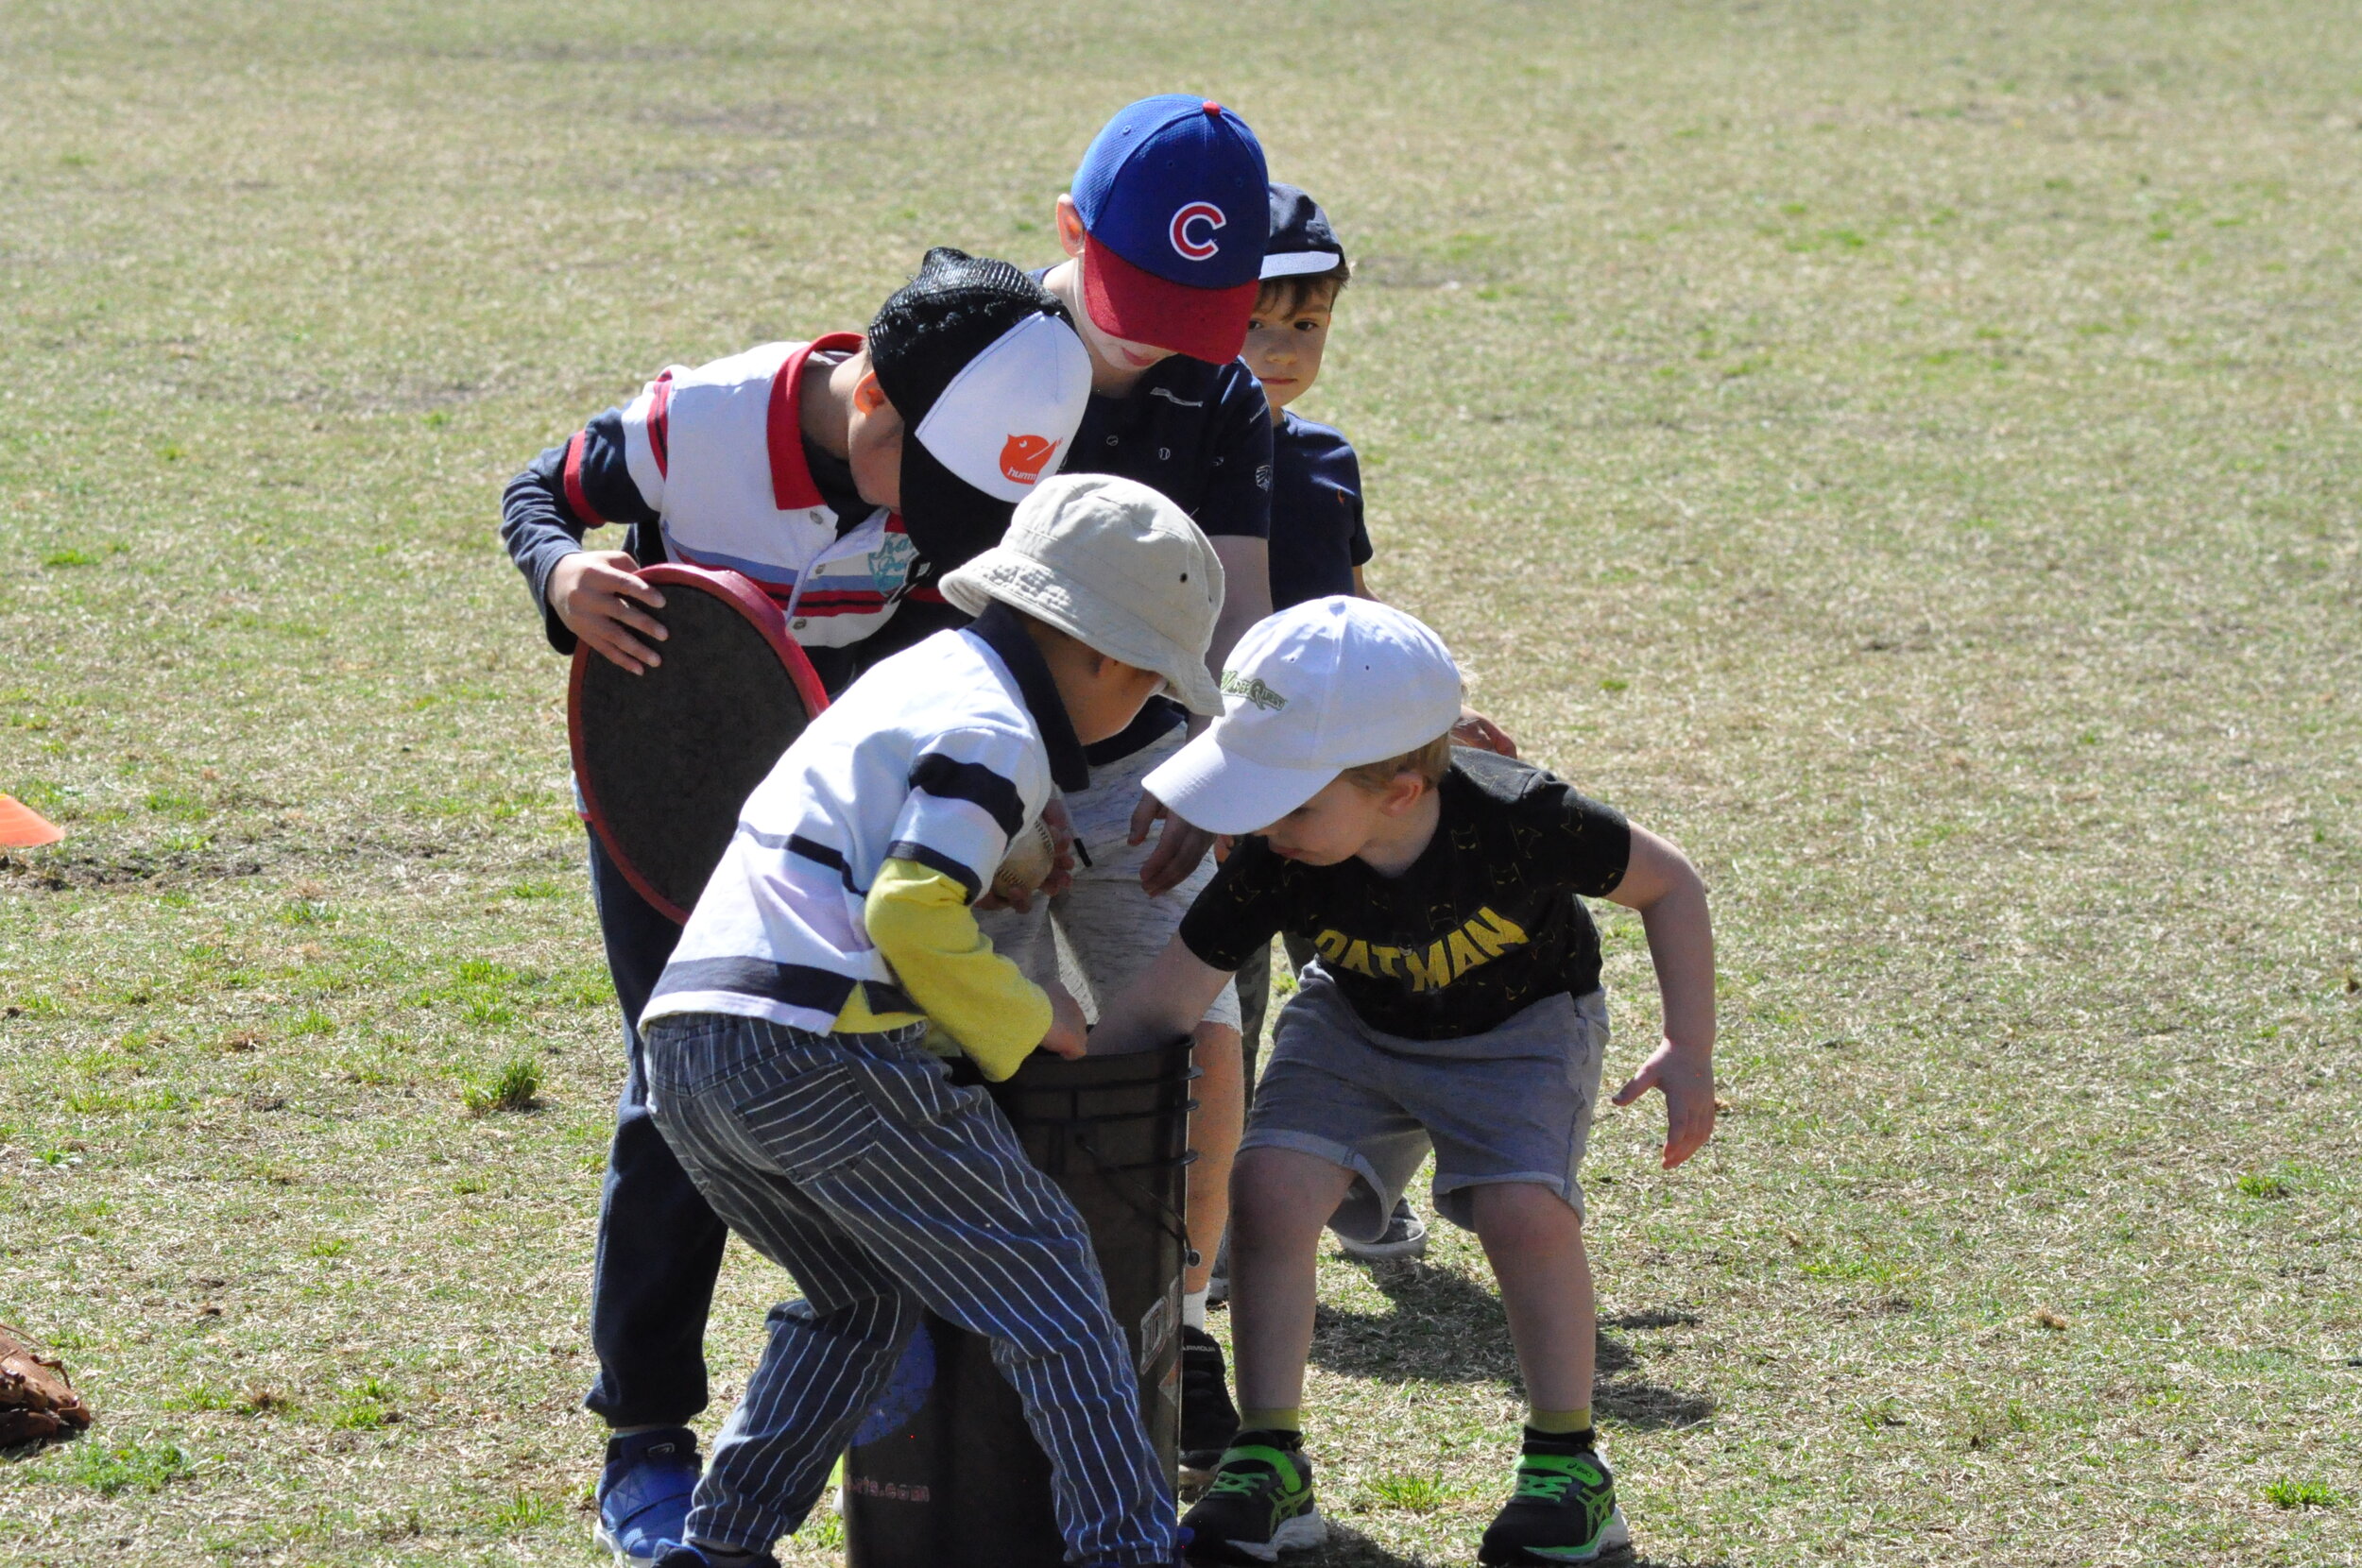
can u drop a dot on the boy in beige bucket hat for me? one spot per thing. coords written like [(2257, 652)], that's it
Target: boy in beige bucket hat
[(1114, 564), (788, 1039)]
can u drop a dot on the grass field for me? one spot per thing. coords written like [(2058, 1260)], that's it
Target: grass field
[(1908, 453)]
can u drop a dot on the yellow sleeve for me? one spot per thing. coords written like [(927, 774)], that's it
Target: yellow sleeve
[(920, 921)]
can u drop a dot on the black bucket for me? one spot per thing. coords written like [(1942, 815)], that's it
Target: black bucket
[(945, 1470)]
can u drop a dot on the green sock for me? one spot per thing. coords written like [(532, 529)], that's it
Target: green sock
[(1560, 1424), (1289, 1420)]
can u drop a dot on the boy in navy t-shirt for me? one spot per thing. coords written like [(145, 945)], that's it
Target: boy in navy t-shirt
[(1318, 541), (1320, 546)]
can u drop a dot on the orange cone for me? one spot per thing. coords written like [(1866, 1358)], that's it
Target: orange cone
[(21, 828)]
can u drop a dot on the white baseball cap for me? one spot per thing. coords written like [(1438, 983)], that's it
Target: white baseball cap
[(1115, 564), (1323, 686)]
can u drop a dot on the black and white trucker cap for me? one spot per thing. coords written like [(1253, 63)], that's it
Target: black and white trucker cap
[(986, 370)]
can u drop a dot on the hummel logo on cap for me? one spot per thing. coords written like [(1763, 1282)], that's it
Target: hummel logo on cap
[(1022, 457)]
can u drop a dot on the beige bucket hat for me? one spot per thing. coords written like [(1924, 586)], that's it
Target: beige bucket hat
[(1115, 564)]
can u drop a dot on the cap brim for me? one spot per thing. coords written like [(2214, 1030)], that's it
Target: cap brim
[(1221, 792), (948, 518), (1135, 304), (1298, 264)]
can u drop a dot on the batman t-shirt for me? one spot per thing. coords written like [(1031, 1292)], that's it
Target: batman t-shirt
[(1487, 921)]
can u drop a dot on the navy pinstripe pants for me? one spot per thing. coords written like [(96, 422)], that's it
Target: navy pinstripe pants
[(853, 1162)]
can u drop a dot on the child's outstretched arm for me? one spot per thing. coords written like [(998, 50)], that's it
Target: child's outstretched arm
[(1163, 1005), (1660, 882)]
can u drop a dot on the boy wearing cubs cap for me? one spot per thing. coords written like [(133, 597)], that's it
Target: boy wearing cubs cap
[(843, 475), (1163, 228), (1454, 1006), (787, 1041)]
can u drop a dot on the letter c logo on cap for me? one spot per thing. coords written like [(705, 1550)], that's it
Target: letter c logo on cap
[(1021, 457), (1200, 249)]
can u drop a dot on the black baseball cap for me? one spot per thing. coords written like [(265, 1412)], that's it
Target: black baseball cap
[(985, 367), (1301, 241)]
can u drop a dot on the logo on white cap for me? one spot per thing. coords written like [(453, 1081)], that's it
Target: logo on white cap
[(1005, 419), (1023, 456), (1196, 249)]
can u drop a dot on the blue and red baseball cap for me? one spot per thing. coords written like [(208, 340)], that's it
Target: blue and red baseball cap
[(1174, 195)]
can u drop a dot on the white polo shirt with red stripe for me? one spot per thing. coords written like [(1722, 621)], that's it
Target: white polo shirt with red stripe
[(716, 453)]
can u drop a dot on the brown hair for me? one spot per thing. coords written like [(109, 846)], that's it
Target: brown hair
[(1430, 763), (1286, 296)]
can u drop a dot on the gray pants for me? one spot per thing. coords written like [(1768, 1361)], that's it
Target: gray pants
[(1254, 982), (854, 1163), (1511, 1105)]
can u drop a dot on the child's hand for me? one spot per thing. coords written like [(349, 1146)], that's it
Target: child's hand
[(1475, 729), (1061, 826), (1686, 1079), (1068, 1036), (1179, 847), (597, 594)]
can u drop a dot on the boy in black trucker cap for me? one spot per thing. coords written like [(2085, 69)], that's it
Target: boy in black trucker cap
[(843, 475), (1453, 1006)]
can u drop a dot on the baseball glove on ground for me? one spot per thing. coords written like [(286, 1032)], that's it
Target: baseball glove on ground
[(36, 1401)]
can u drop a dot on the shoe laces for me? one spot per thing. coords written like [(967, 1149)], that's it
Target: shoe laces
[(1546, 1486), (1545, 1478), (1239, 1480)]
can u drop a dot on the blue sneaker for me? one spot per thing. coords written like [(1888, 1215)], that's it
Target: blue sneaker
[(644, 1494)]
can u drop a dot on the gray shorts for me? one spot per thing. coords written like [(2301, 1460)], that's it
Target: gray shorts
[(1513, 1104), (1099, 933)]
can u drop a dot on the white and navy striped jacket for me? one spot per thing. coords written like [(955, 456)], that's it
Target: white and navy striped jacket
[(939, 755)]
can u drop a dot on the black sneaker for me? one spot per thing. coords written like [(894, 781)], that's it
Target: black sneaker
[(1259, 1505), (1207, 1417), (1563, 1510)]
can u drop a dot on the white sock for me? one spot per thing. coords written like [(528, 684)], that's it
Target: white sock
[(635, 1431), (1193, 1309)]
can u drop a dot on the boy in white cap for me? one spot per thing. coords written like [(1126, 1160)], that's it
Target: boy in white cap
[(1454, 1005), (787, 1039)]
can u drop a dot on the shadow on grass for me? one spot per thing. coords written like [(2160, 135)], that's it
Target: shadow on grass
[(1349, 1548), (20, 1452), (1447, 1328)]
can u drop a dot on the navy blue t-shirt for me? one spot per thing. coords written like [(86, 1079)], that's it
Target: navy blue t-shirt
[(1199, 433), (1317, 536)]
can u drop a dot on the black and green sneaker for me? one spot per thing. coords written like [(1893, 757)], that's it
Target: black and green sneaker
[(1259, 1505), (1563, 1510)]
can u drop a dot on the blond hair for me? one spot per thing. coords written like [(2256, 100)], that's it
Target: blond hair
[(1430, 763)]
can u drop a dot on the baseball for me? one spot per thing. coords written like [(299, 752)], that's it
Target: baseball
[(1026, 866)]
